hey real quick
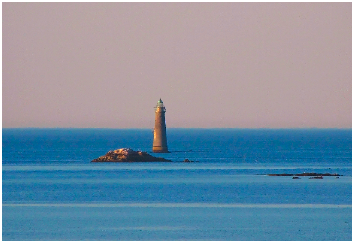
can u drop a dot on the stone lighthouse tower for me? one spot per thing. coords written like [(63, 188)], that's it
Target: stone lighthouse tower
[(160, 139)]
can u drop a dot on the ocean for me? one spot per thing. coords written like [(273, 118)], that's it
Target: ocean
[(51, 190)]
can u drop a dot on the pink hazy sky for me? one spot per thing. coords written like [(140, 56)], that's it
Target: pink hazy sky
[(242, 65)]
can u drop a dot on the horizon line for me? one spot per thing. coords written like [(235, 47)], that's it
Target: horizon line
[(177, 128)]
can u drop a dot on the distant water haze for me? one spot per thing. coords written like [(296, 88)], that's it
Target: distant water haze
[(254, 65)]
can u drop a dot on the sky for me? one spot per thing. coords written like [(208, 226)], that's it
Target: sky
[(214, 65)]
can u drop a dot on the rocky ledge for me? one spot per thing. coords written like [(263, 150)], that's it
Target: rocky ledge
[(128, 155), (306, 174)]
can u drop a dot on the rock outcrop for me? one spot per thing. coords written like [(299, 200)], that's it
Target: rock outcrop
[(306, 174), (128, 155)]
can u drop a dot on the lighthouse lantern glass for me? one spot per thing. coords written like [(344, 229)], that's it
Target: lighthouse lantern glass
[(159, 104)]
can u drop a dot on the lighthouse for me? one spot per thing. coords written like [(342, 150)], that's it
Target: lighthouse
[(160, 139)]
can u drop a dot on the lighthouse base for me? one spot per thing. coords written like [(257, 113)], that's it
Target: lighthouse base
[(158, 149)]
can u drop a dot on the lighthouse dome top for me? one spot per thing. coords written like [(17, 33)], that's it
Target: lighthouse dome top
[(160, 101)]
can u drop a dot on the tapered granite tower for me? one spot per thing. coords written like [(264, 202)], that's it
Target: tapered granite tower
[(160, 139)]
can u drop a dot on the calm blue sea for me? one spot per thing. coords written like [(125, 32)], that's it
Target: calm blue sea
[(51, 190)]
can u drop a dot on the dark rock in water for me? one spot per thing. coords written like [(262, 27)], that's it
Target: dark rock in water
[(306, 174), (280, 174), (317, 174), (128, 155), (186, 160)]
